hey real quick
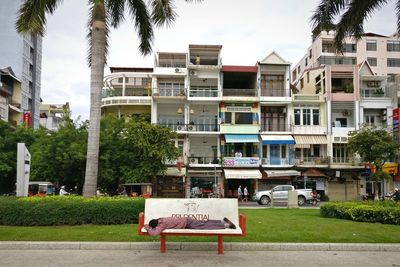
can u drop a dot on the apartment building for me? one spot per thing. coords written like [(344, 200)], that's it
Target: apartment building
[(356, 88), (52, 116), (24, 55), (10, 97)]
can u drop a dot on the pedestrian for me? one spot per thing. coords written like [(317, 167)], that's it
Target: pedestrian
[(63, 192), (245, 194), (156, 226), (239, 193)]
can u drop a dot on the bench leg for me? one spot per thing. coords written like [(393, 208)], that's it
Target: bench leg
[(220, 245), (162, 243)]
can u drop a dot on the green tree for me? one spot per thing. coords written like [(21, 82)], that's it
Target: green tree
[(375, 146), (351, 13), (8, 153), (133, 151), (103, 15)]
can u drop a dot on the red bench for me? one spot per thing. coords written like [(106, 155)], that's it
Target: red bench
[(197, 208)]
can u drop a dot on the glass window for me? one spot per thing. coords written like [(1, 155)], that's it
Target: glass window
[(371, 45), (393, 62), (393, 46), (315, 116), (243, 118), (279, 188), (350, 48), (297, 113), (283, 151), (306, 116), (228, 117), (372, 61)]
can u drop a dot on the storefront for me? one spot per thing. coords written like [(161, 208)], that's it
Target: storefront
[(243, 177), (204, 183), (171, 183), (272, 178), (312, 178)]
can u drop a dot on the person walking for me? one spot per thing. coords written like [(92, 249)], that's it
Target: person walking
[(63, 192), (245, 194), (240, 193)]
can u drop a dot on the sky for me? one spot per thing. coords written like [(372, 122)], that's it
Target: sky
[(247, 30)]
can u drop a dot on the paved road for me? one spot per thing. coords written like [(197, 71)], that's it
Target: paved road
[(97, 258), (255, 205)]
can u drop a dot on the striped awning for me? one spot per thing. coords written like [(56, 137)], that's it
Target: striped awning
[(242, 174), (304, 141), (281, 173), (277, 139), (241, 138)]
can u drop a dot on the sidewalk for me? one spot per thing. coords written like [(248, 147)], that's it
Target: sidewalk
[(198, 246)]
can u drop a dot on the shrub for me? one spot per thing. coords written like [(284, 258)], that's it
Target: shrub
[(71, 210), (387, 212)]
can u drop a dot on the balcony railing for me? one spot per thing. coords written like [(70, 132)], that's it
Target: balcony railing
[(241, 162), (203, 160), (191, 127), (277, 161), (170, 91), (203, 91), (376, 93), (312, 161), (239, 92), (309, 129), (275, 127), (274, 92)]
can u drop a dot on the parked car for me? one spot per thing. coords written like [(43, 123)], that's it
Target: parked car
[(280, 193)]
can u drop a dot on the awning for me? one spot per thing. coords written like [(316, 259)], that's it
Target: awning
[(304, 141), (242, 174), (277, 139), (279, 173), (241, 138), (312, 172)]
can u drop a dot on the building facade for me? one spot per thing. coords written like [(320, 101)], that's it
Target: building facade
[(24, 55), (10, 97), (248, 125)]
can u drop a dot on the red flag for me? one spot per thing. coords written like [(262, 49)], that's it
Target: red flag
[(179, 166)]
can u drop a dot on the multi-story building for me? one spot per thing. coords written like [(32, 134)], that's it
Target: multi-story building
[(10, 97), (356, 88), (52, 116), (24, 55)]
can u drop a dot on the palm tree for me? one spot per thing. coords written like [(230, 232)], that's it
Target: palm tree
[(103, 15), (352, 14)]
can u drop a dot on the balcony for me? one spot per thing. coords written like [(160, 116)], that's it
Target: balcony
[(200, 160), (308, 98), (376, 93), (126, 100), (267, 92), (203, 91), (309, 129), (277, 161), (169, 92), (239, 92), (276, 127), (241, 162), (312, 161), (197, 127)]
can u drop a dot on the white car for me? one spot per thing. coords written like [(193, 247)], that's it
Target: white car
[(280, 193)]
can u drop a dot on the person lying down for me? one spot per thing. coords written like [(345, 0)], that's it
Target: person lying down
[(156, 226)]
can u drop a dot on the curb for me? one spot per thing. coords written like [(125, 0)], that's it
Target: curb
[(199, 246)]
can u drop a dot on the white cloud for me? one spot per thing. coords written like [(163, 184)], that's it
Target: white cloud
[(248, 31)]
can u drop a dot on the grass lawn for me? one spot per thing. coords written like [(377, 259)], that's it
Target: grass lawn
[(263, 225)]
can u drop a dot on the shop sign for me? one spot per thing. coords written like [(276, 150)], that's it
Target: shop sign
[(236, 162)]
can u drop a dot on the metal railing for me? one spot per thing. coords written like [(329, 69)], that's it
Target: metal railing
[(203, 160), (275, 127), (277, 161), (191, 127), (312, 161), (239, 92), (203, 91), (375, 93), (170, 91), (267, 92)]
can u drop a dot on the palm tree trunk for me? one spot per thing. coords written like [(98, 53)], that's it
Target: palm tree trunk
[(98, 39)]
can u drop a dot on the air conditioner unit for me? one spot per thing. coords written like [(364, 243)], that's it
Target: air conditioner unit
[(194, 161), (193, 73), (180, 128), (192, 128), (346, 112), (177, 70)]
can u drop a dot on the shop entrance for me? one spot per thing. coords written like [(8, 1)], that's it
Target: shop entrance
[(233, 185)]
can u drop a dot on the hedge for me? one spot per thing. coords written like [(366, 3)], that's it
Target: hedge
[(386, 212), (69, 210)]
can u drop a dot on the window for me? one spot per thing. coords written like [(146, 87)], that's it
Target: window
[(340, 153), (302, 83), (306, 116), (283, 151), (350, 48), (371, 45), (372, 61), (306, 63), (298, 69), (393, 46), (315, 116), (310, 53), (308, 77), (297, 113), (228, 117), (393, 62), (243, 118)]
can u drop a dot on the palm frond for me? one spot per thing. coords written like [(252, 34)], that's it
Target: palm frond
[(99, 14), (163, 12), (141, 17), (32, 15), (352, 21), (115, 10), (398, 16), (326, 12)]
